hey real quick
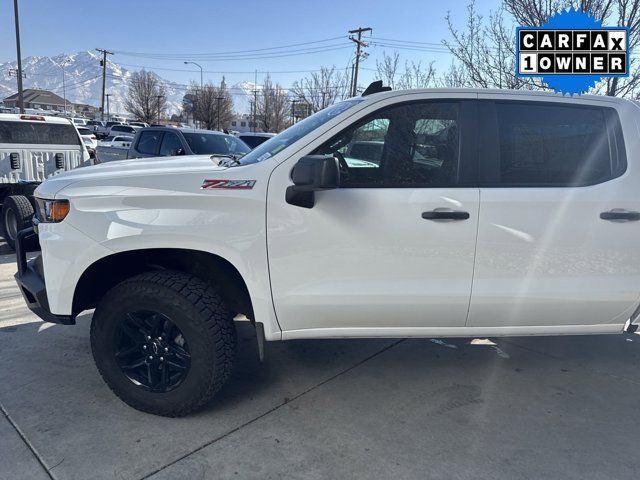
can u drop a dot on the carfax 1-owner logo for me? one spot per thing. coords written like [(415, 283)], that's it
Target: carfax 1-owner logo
[(572, 52)]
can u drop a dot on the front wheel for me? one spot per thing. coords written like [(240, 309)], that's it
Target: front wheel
[(164, 342), (17, 214)]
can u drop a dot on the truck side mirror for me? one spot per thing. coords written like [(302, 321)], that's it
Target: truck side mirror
[(310, 174)]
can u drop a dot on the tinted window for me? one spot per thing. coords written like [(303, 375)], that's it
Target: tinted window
[(149, 142), (122, 128), (555, 145), (38, 133), (410, 145), (170, 145), (211, 143), (84, 131)]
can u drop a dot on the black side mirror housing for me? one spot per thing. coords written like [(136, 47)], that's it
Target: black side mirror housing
[(311, 174)]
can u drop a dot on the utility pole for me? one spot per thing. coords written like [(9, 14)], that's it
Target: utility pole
[(64, 89), (218, 111), (19, 73), (201, 86), (108, 115), (104, 77), (159, 97), (293, 111), (359, 45), (255, 103)]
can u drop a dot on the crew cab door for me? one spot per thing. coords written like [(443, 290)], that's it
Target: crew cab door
[(386, 253), (551, 250)]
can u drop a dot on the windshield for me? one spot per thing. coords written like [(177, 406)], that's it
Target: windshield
[(213, 144), (295, 132)]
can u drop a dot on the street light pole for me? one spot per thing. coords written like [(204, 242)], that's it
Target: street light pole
[(20, 95), (201, 77)]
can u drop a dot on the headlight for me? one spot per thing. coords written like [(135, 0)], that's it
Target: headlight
[(51, 211)]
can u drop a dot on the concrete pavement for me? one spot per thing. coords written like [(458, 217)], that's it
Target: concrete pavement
[(524, 408)]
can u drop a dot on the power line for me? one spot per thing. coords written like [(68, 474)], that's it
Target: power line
[(291, 53), (198, 55), (223, 72)]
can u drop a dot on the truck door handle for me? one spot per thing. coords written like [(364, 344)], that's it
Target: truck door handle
[(620, 215), (445, 215)]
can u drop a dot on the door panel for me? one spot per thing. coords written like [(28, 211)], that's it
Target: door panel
[(544, 256), (367, 258), (376, 253)]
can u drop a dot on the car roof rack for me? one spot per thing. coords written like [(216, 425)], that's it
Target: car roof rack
[(375, 87)]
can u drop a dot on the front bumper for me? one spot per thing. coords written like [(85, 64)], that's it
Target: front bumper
[(31, 280)]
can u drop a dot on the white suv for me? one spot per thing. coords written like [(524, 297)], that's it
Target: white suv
[(476, 213)]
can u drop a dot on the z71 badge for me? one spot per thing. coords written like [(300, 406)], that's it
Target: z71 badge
[(228, 184)]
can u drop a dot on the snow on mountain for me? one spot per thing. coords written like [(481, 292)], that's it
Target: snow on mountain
[(83, 80), (242, 95)]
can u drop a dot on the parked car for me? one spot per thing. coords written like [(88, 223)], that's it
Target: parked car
[(113, 148), (103, 131), (94, 125), (171, 141), (530, 197), (139, 124), (121, 130), (32, 149), (80, 122), (88, 137), (255, 139)]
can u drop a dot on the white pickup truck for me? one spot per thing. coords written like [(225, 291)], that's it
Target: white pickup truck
[(477, 213)]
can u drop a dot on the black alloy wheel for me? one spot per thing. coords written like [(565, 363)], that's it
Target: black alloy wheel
[(151, 351)]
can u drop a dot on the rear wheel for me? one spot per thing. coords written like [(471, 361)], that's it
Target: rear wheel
[(164, 342), (17, 213)]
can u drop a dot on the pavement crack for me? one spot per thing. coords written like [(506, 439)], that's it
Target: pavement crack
[(287, 401), (26, 441)]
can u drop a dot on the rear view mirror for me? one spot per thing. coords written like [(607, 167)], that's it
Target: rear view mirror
[(312, 173)]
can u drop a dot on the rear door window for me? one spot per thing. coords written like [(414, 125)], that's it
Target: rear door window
[(541, 144), (149, 142), (25, 133), (170, 145)]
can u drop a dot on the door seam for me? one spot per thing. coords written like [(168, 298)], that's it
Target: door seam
[(475, 254)]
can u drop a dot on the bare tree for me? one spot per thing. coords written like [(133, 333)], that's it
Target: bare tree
[(146, 97), (212, 105), (321, 89), (485, 48), (271, 107), (388, 69), (413, 76)]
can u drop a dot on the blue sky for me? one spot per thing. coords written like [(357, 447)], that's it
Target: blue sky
[(188, 28)]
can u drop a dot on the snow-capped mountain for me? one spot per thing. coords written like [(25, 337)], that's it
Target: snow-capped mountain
[(83, 80), (242, 95)]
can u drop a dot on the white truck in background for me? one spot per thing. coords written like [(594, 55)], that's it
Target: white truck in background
[(32, 149)]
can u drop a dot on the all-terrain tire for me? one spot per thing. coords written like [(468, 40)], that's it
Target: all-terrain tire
[(197, 310), (17, 214)]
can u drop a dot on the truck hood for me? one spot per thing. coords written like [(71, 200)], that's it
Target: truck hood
[(127, 169)]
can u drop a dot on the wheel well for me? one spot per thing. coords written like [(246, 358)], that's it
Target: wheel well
[(107, 272)]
